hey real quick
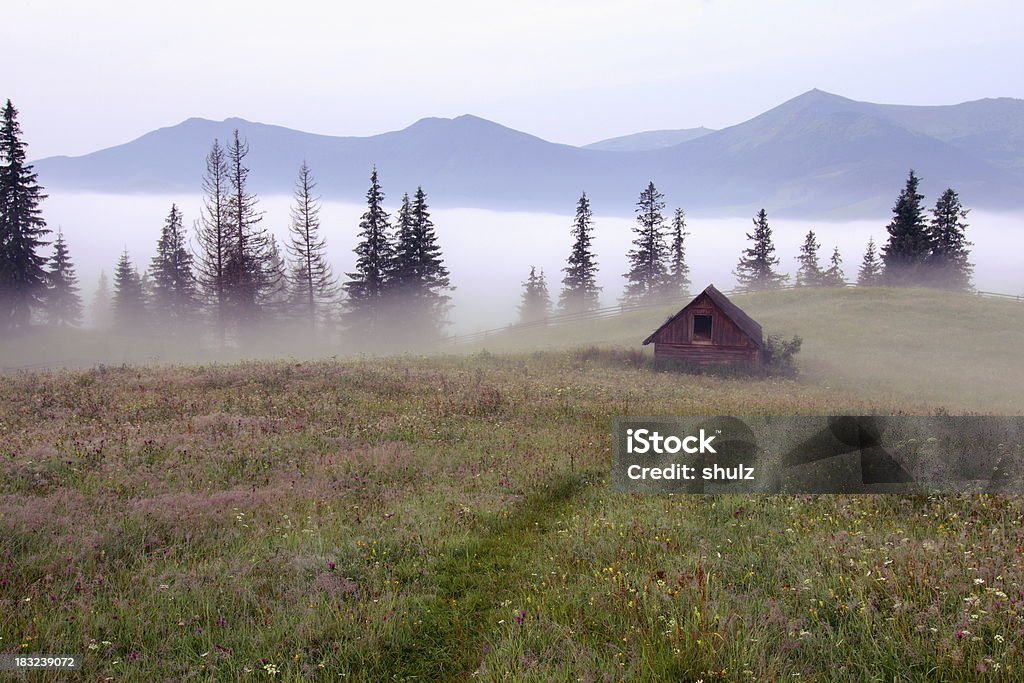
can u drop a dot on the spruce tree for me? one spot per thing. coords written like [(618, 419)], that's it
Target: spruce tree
[(677, 281), (246, 269), (63, 303), (312, 285), (579, 286), (755, 270), (366, 287), (948, 263), (834, 276), (23, 277), (433, 274), (418, 278), (402, 270), (909, 241), (174, 288), (647, 270), (870, 272), (147, 289), (273, 293), (102, 311), (536, 302), (214, 236), (129, 298), (809, 273)]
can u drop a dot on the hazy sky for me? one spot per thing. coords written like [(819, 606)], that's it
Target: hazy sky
[(87, 75)]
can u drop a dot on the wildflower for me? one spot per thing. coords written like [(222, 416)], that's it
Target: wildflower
[(133, 655), (222, 622), (331, 566), (521, 616)]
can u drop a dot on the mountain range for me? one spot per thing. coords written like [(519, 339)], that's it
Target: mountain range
[(649, 139), (816, 155)]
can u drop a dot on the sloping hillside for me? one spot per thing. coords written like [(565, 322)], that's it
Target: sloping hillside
[(958, 350)]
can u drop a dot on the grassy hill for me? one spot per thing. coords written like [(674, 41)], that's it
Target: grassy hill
[(955, 350), (451, 518)]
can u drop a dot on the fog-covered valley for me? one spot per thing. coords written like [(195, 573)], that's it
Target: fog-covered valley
[(489, 253)]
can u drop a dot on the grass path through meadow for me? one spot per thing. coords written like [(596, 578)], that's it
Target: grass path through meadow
[(445, 636)]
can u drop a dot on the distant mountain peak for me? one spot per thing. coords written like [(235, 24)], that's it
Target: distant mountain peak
[(820, 94), (817, 153), (816, 96), (462, 120)]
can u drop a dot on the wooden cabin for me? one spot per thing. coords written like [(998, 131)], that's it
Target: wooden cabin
[(709, 330)]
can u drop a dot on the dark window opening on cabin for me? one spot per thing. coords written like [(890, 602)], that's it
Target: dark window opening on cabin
[(702, 328)]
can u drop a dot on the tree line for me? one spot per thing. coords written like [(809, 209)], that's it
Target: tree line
[(238, 280), (919, 252), (658, 269), (235, 277)]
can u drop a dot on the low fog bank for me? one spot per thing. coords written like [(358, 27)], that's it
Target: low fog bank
[(490, 253)]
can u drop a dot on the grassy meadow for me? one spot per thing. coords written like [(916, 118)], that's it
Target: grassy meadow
[(449, 517)]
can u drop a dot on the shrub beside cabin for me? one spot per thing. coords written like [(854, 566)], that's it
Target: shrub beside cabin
[(709, 330)]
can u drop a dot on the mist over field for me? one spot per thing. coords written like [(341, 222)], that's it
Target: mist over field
[(489, 253), (260, 483)]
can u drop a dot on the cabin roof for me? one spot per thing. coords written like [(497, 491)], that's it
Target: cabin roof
[(748, 325)]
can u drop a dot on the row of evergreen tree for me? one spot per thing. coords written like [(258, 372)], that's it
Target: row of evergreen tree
[(237, 277), (920, 251), (658, 269)]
